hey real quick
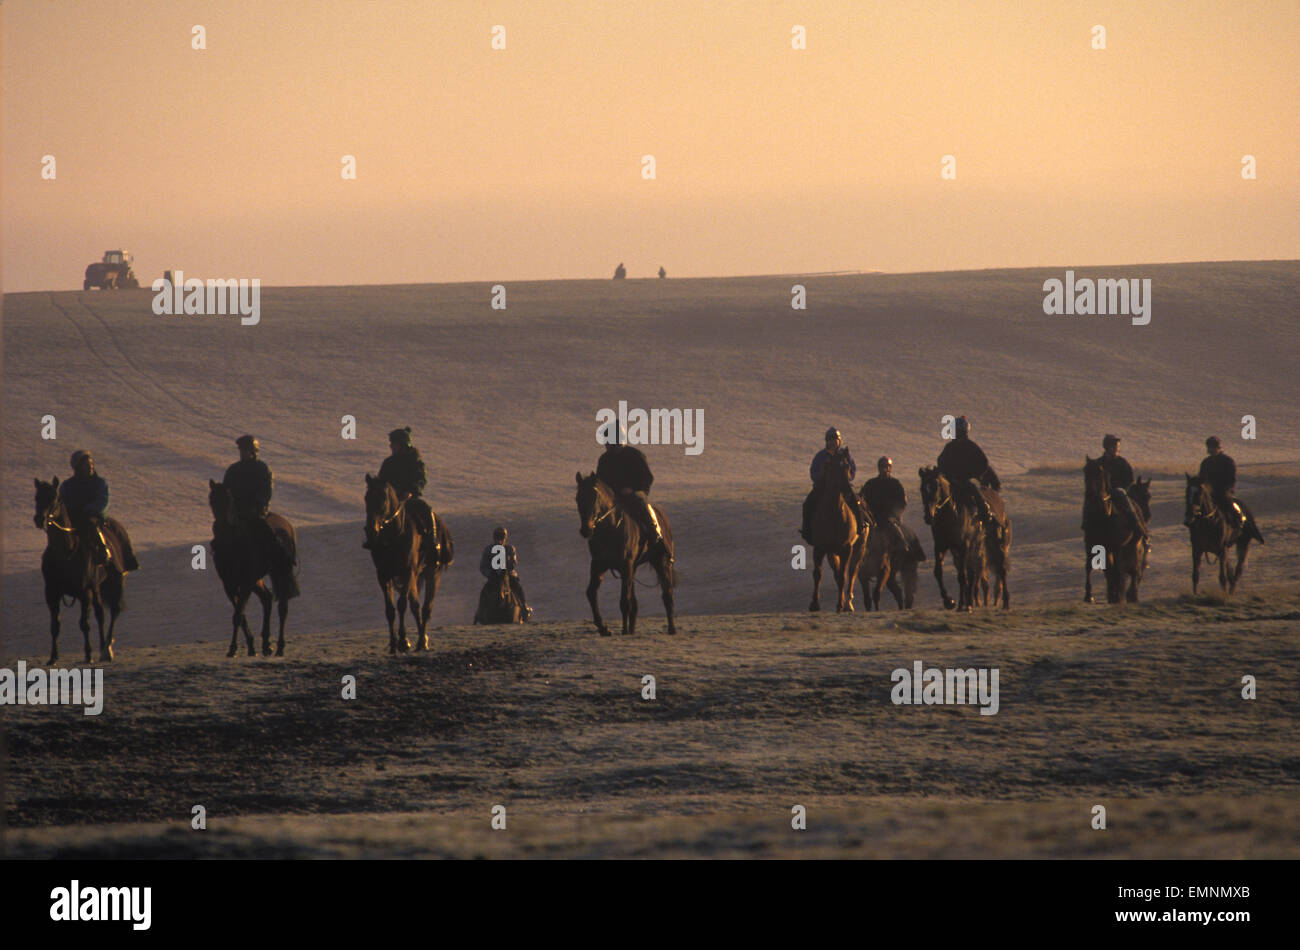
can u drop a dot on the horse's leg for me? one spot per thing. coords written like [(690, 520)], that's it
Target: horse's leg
[(1223, 568), (234, 632), (592, 588), (52, 602), (816, 604), (390, 612), (403, 592), (264, 596), (892, 586), (1196, 564), (98, 603), (1243, 548), (431, 579), (1003, 571), (938, 576), (84, 622), (666, 587), (283, 607), (627, 597), (243, 620)]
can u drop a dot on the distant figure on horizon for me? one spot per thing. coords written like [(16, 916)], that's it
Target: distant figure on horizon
[(662, 273), (620, 271)]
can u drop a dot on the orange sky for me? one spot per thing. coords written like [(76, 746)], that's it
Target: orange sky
[(475, 164)]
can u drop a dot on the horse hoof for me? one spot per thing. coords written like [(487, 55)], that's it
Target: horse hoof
[(53, 659), (252, 652), (88, 659), (230, 653), (106, 656), (814, 606), (266, 651), (279, 651), (1089, 599)]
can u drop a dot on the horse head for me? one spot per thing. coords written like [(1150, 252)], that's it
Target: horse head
[(1140, 493), (49, 507), (1096, 484), (835, 473), (382, 506), (221, 502), (935, 492), (1198, 499), (595, 502)]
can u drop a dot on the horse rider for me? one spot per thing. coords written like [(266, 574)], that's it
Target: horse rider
[(834, 447), (85, 496), (1220, 471), (1121, 480), (405, 471), (250, 484), (625, 470), (487, 569), (966, 467), (886, 496)]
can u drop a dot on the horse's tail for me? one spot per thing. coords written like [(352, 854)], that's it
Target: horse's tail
[(447, 547)]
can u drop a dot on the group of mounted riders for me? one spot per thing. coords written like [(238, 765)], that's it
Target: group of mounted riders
[(247, 486)]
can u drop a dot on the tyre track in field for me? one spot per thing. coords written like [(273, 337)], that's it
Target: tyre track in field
[(192, 411)]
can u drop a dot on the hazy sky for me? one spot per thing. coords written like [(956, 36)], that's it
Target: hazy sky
[(482, 164)]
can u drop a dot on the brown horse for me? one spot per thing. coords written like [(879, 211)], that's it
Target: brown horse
[(618, 544), (243, 563), (1106, 526), (893, 551), (70, 571), (835, 534), (402, 565), (955, 526), (1212, 534), (997, 556), (498, 603)]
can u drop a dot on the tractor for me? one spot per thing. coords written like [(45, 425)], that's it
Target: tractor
[(112, 273)]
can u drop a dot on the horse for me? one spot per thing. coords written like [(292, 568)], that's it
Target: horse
[(835, 534), (955, 527), (889, 557), (242, 564), (70, 571), (498, 603), (401, 563), (1212, 535), (618, 544), (1105, 526), (997, 558)]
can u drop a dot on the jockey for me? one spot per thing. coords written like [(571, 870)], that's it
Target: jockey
[(250, 484), (886, 496), (485, 567), (1121, 480), (966, 467), (1220, 471), (834, 447), (405, 471), (625, 470), (85, 495)]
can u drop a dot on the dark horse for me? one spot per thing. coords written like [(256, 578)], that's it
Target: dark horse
[(955, 527), (1212, 535), (402, 564), (242, 562), (70, 571), (618, 544), (835, 534), (891, 554), (1106, 526), (497, 602)]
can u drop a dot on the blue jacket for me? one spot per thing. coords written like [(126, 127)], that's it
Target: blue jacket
[(820, 459), (84, 495)]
